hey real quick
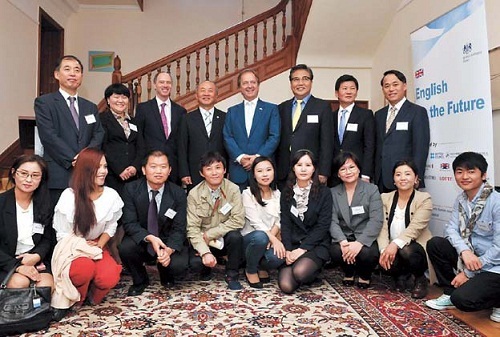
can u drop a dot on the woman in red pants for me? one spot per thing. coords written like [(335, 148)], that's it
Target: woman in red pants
[(85, 218)]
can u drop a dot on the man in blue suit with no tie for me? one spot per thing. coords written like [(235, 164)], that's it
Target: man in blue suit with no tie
[(251, 129)]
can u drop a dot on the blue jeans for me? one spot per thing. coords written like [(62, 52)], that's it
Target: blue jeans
[(256, 253)]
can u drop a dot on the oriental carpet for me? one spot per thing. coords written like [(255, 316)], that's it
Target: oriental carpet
[(195, 308)]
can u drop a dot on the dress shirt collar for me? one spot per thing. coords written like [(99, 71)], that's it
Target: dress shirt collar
[(66, 95), (398, 105), (304, 100), (210, 111), (159, 102), (119, 117), (160, 190), (348, 108), (253, 102)]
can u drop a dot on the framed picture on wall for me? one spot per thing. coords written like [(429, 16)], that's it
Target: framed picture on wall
[(101, 61)]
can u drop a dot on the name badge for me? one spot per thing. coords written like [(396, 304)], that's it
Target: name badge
[(90, 119), (402, 126), (170, 213), (132, 127), (294, 211), (226, 208), (484, 226), (357, 210), (314, 119), (352, 127), (37, 228)]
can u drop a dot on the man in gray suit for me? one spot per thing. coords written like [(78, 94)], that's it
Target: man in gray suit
[(402, 132), (66, 124)]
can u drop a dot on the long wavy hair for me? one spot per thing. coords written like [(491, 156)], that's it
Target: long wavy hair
[(41, 206), (292, 178), (83, 184), (254, 186)]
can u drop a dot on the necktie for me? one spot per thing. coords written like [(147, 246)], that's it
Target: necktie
[(72, 108), (392, 115), (164, 120), (297, 113), (152, 219), (208, 122), (124, 123), (342, 125)]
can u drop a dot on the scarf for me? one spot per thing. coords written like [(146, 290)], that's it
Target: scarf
[(301, 196)]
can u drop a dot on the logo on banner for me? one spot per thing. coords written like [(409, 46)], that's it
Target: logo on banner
[(419, 73), (467, 48), (444, 166), (468, 52), (437, 155)]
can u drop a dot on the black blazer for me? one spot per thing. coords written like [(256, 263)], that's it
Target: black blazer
[(60, 138), (313, 232), (408, 141), (360, 140), (194, 142), (149, 121), (8, 234), (121, 152), (308, 134), (172, 231)]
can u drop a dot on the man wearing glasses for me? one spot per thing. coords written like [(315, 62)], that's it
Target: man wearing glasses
[(306, 123)]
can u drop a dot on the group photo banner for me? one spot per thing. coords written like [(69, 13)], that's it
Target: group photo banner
[(452, 81)]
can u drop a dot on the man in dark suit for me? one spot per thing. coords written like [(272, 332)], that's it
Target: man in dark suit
[(66, 124), (306, 123), (354, 128), (154, 219), (251, 129), (159, 119), (402, 132), (200, 132)]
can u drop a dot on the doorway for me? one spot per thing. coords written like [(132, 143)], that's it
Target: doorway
[(51, 48)]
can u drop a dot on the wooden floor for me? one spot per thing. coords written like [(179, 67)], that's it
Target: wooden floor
[(480, 320)]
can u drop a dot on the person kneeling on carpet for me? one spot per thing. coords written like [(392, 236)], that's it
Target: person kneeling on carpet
[(467, 259), (85, 218), (306, 214), (154, 220), (215, 216), (405, 231)]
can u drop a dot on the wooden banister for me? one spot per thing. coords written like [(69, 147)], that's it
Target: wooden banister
[(251, 43)]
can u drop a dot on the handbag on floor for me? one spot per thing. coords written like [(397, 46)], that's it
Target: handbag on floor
[(23, 309)]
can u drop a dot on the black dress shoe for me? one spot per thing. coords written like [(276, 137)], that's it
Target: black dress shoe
[(137, 289), (420, 289), (206, 275), (58, 314), (169, 284), (400, 283), (365, 284), (348, 281)]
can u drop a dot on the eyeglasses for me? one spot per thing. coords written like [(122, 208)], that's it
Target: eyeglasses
[(26, 174), (303, 79), (344, 170)]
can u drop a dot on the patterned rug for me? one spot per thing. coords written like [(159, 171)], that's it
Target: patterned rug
[(202, 309)]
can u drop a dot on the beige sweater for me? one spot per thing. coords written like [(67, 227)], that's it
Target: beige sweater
[(68, 249)]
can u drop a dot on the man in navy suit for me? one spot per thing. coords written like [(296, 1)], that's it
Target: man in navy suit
[(165, 243), (306, 123), (200, 132), (67, 123), (159, 119), (251, 129), (402, 132), (354, 128)]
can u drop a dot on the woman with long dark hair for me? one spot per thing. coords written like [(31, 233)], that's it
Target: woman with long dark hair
[(306, 214), (262, 248), (356, 222), (85, 219), (405, 231), (26, 224)]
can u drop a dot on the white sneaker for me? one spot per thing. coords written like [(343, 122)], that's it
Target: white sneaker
[(495, 315), (440, 303)]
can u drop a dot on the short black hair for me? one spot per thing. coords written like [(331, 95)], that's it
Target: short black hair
[(211, 157), (396, 73), (247, 70), (408, 162), (470, 161), (154, 153), (67, 57), (342, 157), (116, 88), (346, 78), (300, 67)]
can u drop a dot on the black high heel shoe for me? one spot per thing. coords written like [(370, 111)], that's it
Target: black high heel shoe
[(256, 285), (348, 281)]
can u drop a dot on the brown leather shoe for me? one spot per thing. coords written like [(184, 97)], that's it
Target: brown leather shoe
[(420, 289)]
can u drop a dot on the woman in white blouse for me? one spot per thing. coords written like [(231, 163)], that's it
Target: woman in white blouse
[(405, 232), (262, 248), (26, 224), (87, 210)]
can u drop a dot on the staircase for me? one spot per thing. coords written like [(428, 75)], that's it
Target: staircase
[(268, 43)]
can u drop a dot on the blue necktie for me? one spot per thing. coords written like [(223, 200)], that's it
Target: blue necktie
[(152, 220), (342, 125)]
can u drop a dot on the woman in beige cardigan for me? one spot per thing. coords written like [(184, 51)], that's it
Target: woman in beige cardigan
[(405, 231)]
